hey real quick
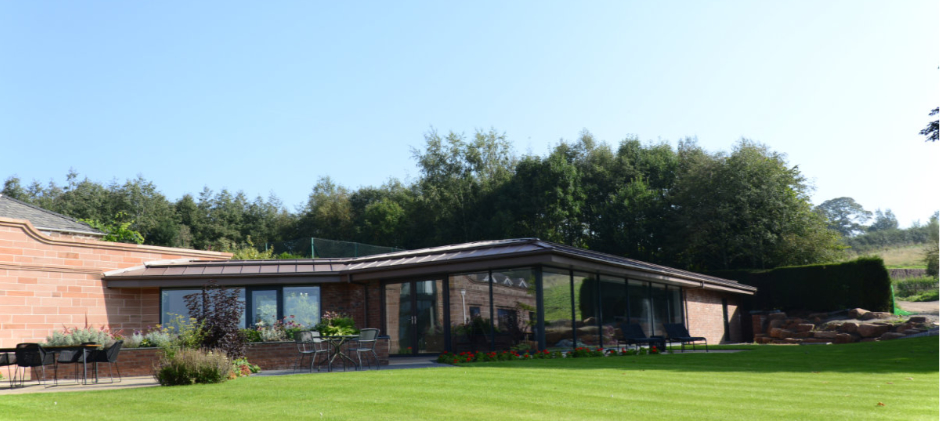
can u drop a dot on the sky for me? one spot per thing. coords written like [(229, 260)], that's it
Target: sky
[(266, 97)]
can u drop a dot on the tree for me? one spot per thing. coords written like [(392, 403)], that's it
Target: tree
[(218, 310), (845, 215), (932, 257), (884, 221), (931, 131)]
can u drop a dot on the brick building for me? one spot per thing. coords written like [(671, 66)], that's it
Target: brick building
[(473, 296)]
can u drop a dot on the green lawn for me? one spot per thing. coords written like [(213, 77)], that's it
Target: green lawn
[(768, 382)]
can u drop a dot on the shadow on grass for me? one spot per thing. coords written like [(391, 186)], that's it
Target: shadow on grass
[(919, 355)]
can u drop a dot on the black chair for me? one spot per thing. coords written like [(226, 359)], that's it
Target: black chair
[(71, 356), (678, 333), (8, 359), (632, 334), (366, 343), (108, 355), (31, 355), (310, 344)]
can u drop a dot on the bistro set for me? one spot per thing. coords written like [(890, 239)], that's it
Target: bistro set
[(312, 345), (35, 356)]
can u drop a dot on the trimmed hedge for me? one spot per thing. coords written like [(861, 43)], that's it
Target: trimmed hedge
[(863, 282)]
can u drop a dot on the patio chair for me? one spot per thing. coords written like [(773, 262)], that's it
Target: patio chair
[(366, 343), (31, 355), (109, 356), (310, 344), (678, 333), (8, 359), (632, 334)]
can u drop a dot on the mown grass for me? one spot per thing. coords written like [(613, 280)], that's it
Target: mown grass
[(902, 257), (766, 383)]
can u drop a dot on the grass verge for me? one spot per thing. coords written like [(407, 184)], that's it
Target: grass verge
[(884, 380)]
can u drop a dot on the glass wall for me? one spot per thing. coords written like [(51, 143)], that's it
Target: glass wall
[(613, 308), (639, 305), (587, 332), (303, 302), (302, 305), (470, 312), (557, 299), (514, 306), (660, 308), (675, 305)]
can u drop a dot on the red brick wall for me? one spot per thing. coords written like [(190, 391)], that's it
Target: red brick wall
[(705, 316), (267, 355), (48, 283)]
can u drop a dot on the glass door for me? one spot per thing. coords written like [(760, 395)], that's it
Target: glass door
[(414, 317), (262, 307)]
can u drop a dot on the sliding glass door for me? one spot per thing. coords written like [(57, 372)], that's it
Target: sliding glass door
[(414, 317)]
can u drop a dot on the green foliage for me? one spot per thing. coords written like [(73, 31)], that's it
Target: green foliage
[(248, 251), (193, 366), (845, 215), (932, 253), (932, 131), (217, 311), (76, 336), (116, 230), (863, 282), (925, 296), (908, 287), (333, 324)]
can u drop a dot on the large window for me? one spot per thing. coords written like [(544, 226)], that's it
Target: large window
[(557, 301), (614, 308), (640, 307), (264, 307), (513, 303)]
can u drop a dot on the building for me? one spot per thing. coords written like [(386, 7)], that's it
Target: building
[(488, 295)]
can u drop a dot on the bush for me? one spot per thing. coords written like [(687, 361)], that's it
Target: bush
[(217, 311), (908, 287), (191, 366), (334, 323), (863, 282), (74, 336)]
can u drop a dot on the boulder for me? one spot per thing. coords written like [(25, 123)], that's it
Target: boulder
[(777, 316), (816, 341), (891, 335), (876, 315), (844, 338), (911, 332), (817, 316), (872, 330), (779, 333), (797, 321), (801, 335), (857, 312), (849, 327), (917, 319), (817, 320), (775, 323), (903, 326), (765, 340), (804, 327), (825, 335)]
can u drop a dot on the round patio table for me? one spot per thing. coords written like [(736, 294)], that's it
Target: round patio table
[(336, 350)]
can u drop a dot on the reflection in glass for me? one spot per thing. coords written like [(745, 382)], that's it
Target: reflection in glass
[(639, 305), (514, 305), (263, 307), (303, 304), (556, 297), (675, 305), (173, 305), (471, 326), (614, 308), (587, 332), (429, 316), (660, 308)]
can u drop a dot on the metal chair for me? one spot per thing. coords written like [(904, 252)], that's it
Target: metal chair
[(108, 355), (632, 334), (30, 355), (366, 343), (678, 333), (309, 343), (8, 359)]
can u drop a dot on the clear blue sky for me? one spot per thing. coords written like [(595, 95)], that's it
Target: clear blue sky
[(268, 96)]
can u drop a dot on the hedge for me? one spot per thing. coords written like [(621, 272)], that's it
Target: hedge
[(863, 282)]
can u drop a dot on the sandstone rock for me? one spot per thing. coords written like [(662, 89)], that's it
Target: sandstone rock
[(857, 312), (789, 341), (797, 321), (872, 330), (825, 335), (817, 320), (804, 327), (844, 338), (911, 332), (775, 323), (891, 335), (816, 341), (817, 316), (777, 316), (903, 326), (779, 333), (849, 327), (765, 340), (917, 319), (876, 315)]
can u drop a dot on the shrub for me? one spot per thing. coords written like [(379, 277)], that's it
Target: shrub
[(76, 336), (334, 323), (863, 282), (281, 330), (908, 287), (218, 311), (191, 366)]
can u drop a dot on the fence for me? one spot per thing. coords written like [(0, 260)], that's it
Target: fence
[(324, 248)]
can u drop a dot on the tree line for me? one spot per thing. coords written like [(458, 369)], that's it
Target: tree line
[(683, 207)]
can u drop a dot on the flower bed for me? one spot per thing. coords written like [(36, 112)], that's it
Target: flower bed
[(580, 352)]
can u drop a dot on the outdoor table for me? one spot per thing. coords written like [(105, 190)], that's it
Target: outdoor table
[(56, 349), (336, 350)]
